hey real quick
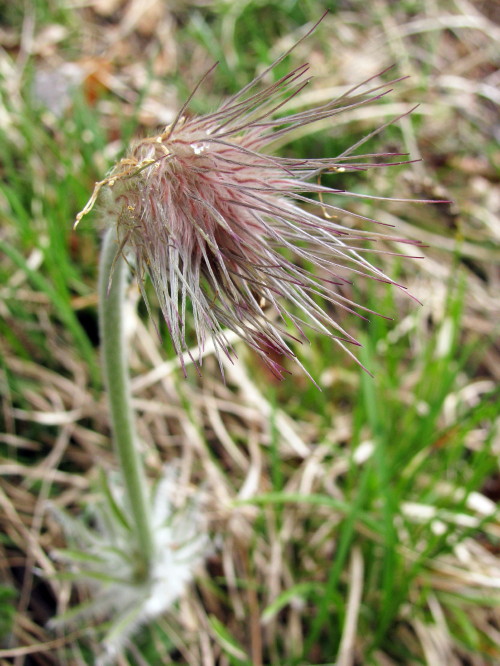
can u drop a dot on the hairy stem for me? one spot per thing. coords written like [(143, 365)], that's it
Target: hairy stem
[(112, 283)]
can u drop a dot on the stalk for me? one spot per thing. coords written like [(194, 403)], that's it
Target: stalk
[(112, 283)]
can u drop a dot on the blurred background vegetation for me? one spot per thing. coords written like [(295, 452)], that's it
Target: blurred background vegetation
[(356, 525)]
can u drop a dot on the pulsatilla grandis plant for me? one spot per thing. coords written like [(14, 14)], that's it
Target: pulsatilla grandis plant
[(244, 240)]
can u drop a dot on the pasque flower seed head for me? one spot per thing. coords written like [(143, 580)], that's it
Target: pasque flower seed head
[(220, 223)]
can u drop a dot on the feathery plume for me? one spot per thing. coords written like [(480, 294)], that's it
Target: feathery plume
[(218, 222)]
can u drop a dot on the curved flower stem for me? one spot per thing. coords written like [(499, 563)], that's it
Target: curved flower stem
[(112, 283)]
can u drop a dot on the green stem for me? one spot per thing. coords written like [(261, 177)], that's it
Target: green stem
[(112, 283)]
